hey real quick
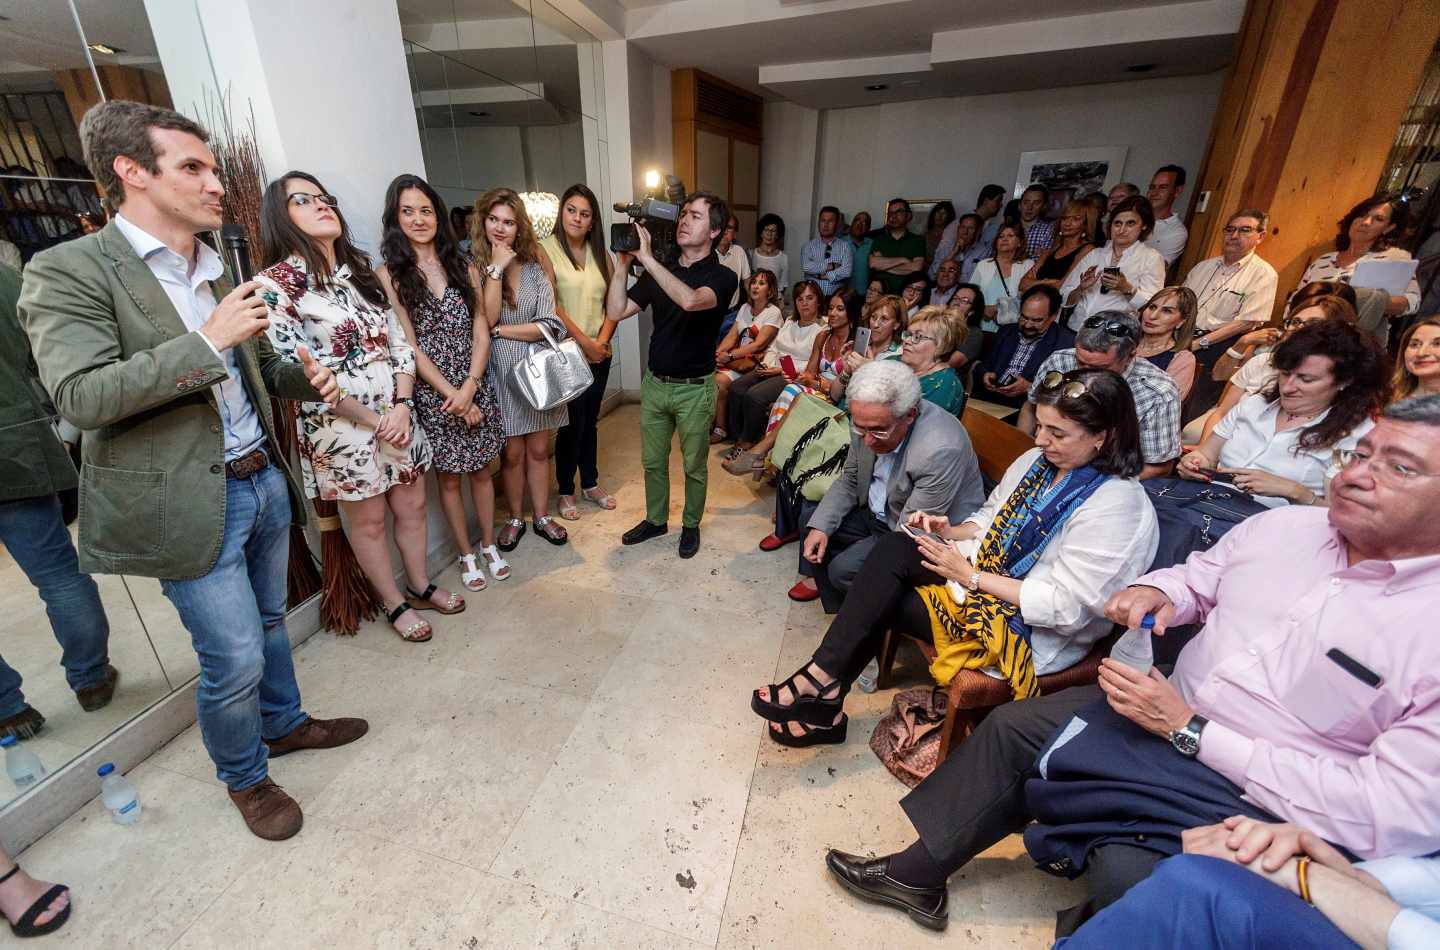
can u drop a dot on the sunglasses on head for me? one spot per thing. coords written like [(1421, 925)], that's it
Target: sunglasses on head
[(1055, 379), (1114, 328)]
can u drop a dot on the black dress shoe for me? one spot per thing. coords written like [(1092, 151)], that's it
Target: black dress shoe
[(644, 531), (927, 906), (689, 542)]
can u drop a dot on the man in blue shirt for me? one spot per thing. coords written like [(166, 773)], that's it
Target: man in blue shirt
[(828, 259)]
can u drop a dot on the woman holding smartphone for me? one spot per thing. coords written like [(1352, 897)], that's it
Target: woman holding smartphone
[(1125, 273), (368, 453)]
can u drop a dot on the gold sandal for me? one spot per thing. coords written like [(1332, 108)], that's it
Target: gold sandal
[(409, 634), (422, 601)]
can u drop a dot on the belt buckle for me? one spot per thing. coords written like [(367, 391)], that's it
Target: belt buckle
[(248, 465)]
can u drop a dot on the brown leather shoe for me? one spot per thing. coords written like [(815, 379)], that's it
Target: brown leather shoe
[(318, 734), (23, 724), (268, 811), (98, 697)]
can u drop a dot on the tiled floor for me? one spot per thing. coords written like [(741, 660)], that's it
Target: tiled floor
[(570, 763)]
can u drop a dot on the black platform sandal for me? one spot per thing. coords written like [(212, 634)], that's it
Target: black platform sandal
[(26, 926), (809, 735), (817, 710)]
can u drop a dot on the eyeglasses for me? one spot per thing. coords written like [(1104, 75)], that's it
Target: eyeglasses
[(1391, 474), (1074, 389), (910, 336), (1239, 229), (1113, 327), (302, 199), (879, 434), (1290, 323)]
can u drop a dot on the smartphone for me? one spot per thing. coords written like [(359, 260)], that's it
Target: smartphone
[(915, 532), (1113, 272), (862, 341), (787, 366), (1005, 380)]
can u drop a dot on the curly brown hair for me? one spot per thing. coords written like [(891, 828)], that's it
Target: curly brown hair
[(527, 247), (1360, 369)]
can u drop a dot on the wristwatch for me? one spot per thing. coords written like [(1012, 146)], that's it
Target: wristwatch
[(492, 272), (402, 401), (1187, 741)]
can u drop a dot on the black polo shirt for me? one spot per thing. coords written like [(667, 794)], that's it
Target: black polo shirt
[(682, 343)]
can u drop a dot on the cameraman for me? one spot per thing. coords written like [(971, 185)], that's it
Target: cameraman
[(678, 391)]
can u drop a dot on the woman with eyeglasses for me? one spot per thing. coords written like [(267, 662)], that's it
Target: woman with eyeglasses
[(1280, 446), (1167, 324), (927, 345), (1417, 373), (874, 290), (967, 309), (1018, 589), (369, 453), (1258, 372), (1367, 233), (433, 290), (769, 253), (518, 302), (913, 293), (1124, 273)]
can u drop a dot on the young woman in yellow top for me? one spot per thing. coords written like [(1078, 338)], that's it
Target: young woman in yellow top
[(579, 267)]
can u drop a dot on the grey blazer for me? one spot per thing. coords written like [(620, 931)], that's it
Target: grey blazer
[(938, 474)]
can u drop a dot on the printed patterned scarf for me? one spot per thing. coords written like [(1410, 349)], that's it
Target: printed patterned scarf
[(985, 630)]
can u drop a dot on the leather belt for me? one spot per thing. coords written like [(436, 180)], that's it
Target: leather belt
[(682, 381), (247, 465)]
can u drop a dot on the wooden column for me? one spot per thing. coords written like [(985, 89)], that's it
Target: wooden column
[(1309, 113), (121, 82)]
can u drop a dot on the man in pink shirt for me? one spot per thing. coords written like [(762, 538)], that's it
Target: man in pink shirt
[(1312, 694)]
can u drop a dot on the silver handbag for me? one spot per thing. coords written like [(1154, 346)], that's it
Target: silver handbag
[(552, 373)]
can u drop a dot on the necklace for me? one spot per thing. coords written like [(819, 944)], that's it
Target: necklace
[(1146, 348)]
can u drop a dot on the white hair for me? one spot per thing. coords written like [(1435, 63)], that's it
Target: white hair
[(888, 382)]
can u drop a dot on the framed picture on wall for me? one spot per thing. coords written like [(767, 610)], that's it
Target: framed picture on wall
[(1071, 172), (920, 209)]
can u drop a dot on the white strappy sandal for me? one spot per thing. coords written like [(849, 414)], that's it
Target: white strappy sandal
[(472, 575), (499, 567)]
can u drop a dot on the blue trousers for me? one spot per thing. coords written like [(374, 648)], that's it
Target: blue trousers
[(1203, 903), (34, 532), (236, 618)]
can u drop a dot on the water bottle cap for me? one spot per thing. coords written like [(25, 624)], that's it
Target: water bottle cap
[(1148, 622), (8, 741), (105, 769)]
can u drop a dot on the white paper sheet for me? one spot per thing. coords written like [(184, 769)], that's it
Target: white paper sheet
[(1393, 277)]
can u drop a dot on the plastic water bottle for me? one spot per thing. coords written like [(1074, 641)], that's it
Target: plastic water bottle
[(869, 677), (1135, 647), (118, 795), (23, 766)]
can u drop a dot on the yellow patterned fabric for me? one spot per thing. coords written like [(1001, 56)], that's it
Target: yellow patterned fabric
[(978, 633)]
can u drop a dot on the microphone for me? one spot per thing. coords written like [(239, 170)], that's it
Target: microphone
[(237, 252)]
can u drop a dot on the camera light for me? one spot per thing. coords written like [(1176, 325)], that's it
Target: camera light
[(652, 179), (543, 209)]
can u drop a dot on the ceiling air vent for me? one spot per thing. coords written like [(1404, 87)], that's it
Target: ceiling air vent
[(720, 102)]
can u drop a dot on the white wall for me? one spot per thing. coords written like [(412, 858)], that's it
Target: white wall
[(788, 171), (949, 148)]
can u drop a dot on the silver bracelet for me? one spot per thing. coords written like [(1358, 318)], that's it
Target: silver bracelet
[(1233, 355)]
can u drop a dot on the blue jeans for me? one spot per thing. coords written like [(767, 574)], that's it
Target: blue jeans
[(1203, 903), (35, 534), (236, 618)]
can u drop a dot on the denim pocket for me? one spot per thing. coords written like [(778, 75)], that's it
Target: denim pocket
[(122, 512)]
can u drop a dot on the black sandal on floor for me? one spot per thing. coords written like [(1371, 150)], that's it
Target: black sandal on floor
[(817, 710), (408, 634), (422, 601), (549, 529), (809, 735), (26, 926)]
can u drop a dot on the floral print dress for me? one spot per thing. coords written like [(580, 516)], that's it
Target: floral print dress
[(365, 347)]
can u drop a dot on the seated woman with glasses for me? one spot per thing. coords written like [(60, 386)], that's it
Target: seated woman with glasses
[(927, 346), (1281, 445), (1016, 590), (1258, 371)]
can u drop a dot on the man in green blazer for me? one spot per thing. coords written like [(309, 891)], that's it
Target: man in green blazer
[(34, 468), (182, 478)]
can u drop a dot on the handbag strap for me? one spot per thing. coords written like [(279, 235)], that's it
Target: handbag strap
[(549, 337)]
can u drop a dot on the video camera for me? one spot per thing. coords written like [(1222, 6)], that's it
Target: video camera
[(658, 213)]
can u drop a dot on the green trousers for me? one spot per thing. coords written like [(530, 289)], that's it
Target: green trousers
[(667, 408)]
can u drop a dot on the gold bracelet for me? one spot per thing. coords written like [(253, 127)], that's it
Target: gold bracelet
[(1302, 876)]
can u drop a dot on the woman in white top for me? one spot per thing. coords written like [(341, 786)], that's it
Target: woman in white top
[(769, 253), (999, 277), (998, 592), (752, 394), (1124, 273), (1365, 235), (1282, 445), (754, 329), (1258, 373)]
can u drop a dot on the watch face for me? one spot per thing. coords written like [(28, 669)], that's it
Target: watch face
[(1186, 742)]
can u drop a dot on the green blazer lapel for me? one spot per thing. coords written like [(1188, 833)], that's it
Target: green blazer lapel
[(142, 286)]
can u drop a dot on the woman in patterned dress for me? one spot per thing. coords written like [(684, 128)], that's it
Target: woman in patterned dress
[(432, 290), (367, 453), (518, 300)]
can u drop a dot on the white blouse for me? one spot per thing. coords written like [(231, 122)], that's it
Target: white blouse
[(794, 341), (779, 265), (1252, 442), (1257, 374), (1327, 267), (1141, 264), (1002, 293), (1106, 543)]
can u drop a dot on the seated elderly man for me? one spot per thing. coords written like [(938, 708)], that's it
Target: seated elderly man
[(1107, 340), (1013, 363), (906, 455), (1309, 696)]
